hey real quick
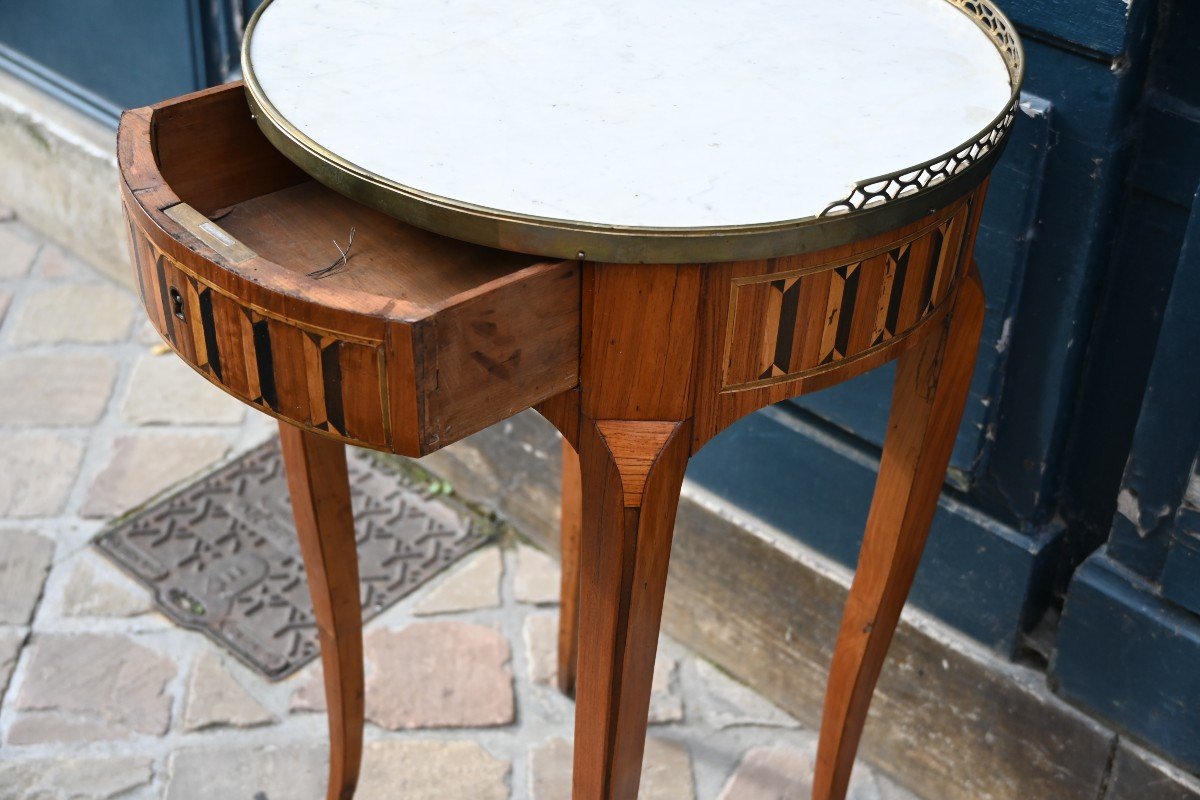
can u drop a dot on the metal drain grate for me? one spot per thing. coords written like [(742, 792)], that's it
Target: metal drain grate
[(221, 555)]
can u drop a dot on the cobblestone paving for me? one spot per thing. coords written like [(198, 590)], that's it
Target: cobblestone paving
[(101, 697)]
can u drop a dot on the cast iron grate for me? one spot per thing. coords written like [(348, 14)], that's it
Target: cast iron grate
[(221, 555)]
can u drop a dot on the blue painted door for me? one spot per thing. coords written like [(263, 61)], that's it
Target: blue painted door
[(107, 55), (1129, 639)]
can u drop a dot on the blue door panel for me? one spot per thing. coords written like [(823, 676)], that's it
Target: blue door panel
[(1154, 532), (1169, 165), (128, 52), (102, 56), (1114, 388), (1068, 250), (1181, 574), (1103, 26), (1130, 660), (1129, 639), (1151, 262)]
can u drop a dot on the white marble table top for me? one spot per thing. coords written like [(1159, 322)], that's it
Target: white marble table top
[(671, 113)]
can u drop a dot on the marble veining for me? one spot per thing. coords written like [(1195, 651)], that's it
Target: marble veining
[(675, 113)]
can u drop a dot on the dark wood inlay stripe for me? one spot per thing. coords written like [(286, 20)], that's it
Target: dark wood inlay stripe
[(893, 311), (209, 325), (852, 275), (935, 258), (331, 377), (962, 222), (164, 296), (789, 305), (265, 363)]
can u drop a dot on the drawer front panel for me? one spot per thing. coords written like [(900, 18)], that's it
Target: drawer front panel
[(316, 378)]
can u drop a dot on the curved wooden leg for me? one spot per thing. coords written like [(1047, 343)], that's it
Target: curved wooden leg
[(568, 618), (632, 473), (927, 404), (320, 491)]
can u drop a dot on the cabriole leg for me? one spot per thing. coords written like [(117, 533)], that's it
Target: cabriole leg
[(320, 489), (927, 404)]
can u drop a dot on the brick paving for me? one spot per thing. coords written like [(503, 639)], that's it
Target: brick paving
[(101, 697)]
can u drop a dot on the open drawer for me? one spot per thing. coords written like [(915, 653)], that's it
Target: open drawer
[(417, 341)]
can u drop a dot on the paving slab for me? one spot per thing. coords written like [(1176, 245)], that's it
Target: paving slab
[(470, 586), (73, 778), (445, 674), (296, 772), (146, 334), (785, 773), (142, 465), (540, 635), (55, 389), (90, 686), (771, 773), (39, 471), (538, 577), (25, 559), (666, 704), (85, 313), (666, 771), (11, 642), (166, 391), (96, 589), (415, 770), (55, 263), (215, 699), (18, 246), (309, 694)]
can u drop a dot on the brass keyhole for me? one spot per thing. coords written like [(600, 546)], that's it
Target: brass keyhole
[(177, 303)]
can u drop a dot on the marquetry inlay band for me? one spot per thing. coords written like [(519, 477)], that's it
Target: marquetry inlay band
[(789, 324), (316, 378)]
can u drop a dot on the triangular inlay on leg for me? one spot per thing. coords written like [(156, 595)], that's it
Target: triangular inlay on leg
[(635, 445)]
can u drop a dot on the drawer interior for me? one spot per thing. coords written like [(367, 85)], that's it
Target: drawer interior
[(296, 228), (213, 156)]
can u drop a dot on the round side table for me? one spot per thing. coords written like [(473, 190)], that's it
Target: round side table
[(644, 222)]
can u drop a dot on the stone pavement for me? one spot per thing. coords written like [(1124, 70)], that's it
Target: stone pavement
[(101, 697)]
